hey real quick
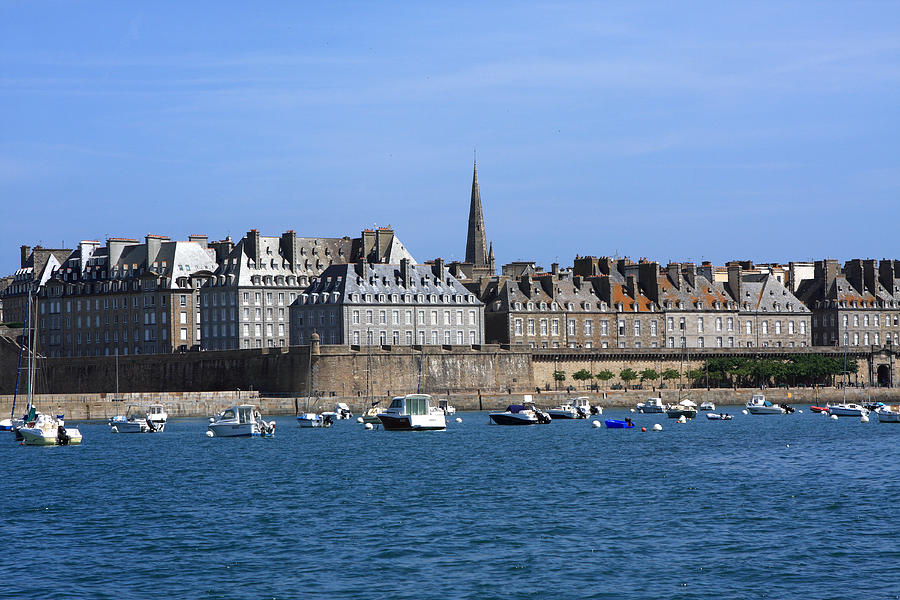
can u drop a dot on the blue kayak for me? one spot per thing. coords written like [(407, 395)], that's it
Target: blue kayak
[(617, 424)]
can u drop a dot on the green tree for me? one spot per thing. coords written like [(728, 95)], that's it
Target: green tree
[(559, 376), (628, 375), (581, 375), (670, 374), (605, 375), (649, 375)]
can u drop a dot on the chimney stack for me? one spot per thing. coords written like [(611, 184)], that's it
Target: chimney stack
[(734, 281), (25, 253), (674, 270)]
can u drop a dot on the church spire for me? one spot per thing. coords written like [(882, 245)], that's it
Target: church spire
[(476, 244)]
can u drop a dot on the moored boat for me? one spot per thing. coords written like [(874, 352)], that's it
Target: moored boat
[(888, 413), (138, 419), (521, 414), (718, 416), (848, 409), (819, 409), (758, 405), (619, 424), (652, 406), (583, 405), (311, 420), (242, 420), (707, 406), (685, 408), (413, 412), (341, 411), (564, 411), (47, 430)]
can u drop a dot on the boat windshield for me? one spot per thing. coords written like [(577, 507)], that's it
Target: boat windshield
[(244, 414), (416, 405), (228, 414), (397, 402)]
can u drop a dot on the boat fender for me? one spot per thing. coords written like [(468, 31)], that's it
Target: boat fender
[(359, 419), (864, 419), (209, 434), (114, 429), (369, 426)]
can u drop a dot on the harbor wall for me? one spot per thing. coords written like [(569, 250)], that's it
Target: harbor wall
[(332, 371)]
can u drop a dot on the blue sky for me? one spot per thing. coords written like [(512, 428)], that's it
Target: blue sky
[(674, 131)]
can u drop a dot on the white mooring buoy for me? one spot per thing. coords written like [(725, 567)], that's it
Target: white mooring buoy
[(114, 429), (744, 411), (359, 420), (800, 411), (657, 427), (834, 417), (459, 419), (596, 424), (864, 419), (369, 426), (209, 434)]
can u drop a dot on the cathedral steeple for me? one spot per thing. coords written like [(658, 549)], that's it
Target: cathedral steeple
[(476, 244)]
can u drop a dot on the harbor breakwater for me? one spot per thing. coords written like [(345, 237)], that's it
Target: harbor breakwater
[(78, 407)]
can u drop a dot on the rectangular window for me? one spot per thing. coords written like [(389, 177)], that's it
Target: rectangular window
[(604, 326), (621, 328), (719, 324), (472, 318), (183, 334), (589, 327), (730, 323), (554, 327), (699, 324), (637, 328), (670, 323), (530, 326), (653, 326), (543, 326), (517, 323), (570, 327)]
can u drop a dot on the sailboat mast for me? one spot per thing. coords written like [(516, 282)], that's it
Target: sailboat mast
[(32, 341)]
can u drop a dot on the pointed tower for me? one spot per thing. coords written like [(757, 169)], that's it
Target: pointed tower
[(476, 244)]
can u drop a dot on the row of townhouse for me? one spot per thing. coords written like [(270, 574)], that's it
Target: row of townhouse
[(162, 296), (601, 303)]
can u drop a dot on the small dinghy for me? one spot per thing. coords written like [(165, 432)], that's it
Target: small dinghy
[(719, 416), (617, 424), (819, 409)]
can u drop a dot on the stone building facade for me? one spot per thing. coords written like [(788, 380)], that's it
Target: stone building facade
[(245, 304), (368, 304), (601, 303), (37, 265), (858, 305), (125, 297)]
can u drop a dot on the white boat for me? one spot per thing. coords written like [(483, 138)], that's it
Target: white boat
[(307, 420), (565, 411), (652, 405), (718, 416), (583, 404), (47, 430), (138, 419), (444, 405), (888, 414), (707, 406), (6, 424), (242, 420), (341, 411), (38, 429), (521, 414), (848, 409), (413, 412), (758, 405)]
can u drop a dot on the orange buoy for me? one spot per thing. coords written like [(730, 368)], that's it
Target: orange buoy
[(643, 429)]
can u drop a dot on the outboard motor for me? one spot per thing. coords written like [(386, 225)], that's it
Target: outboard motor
[(595, 410), (62, 438), (787, 408), (542, 417)]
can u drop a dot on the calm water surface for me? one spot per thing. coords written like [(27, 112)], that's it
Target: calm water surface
[(794, 506)]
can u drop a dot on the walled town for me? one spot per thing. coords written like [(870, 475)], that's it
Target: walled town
[(355, 316)]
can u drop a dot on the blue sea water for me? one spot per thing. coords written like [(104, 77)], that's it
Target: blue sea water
[(794, 506)]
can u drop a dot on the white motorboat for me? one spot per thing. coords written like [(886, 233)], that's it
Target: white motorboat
[(848, 409), (308, 420), (6, 424), (341, 411), (758, 405), (583, 404), (564, 411), (242, 420), (47, 430), (138, 419), (521, 414), (888, 414), (652, 405), (413, 412), (445, 406), (708, 406)]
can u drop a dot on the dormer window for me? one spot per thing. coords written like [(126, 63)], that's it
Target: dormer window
[(543, 306), (531, 306)]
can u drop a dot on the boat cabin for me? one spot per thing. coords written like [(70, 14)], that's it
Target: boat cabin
[(243, 413), (412, 404)]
